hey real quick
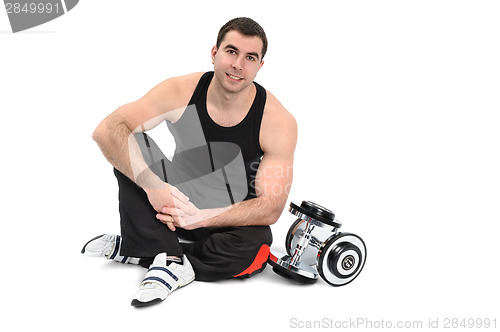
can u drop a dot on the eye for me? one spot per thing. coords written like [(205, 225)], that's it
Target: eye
[(231, 51), (251, 58)]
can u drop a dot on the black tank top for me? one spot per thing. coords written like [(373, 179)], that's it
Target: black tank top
[(245, 134)]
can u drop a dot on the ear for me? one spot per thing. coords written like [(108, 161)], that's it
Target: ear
[(213, 53), (261, 64)]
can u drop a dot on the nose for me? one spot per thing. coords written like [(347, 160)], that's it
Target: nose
[(238, 63)]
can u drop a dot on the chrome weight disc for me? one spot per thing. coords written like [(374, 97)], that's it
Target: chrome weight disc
[(341, 259)]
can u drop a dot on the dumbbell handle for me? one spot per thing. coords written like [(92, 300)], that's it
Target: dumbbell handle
[(302, 244)]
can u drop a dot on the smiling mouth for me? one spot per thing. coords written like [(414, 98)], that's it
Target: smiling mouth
[(234, 77)]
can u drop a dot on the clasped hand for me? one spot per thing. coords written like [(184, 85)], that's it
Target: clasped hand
[(174, 208)]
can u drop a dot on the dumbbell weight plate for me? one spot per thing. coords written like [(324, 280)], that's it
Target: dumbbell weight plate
[(302, 273), (341, 259), (314, 211)]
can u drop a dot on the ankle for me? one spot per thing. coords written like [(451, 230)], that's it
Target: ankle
[(174, 259)]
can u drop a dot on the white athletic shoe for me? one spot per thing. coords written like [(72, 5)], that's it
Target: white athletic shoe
[(107, 246), (161, 280)]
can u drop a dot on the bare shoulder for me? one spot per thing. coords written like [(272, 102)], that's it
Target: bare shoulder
[(183, 80), (186, 82), (279, 127), (275, 111), (173, 92), (166, 101)]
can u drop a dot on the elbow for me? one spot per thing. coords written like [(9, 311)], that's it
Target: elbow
[(96, 135), (273, 207), (99, 133), (271, 221), (273, 216)]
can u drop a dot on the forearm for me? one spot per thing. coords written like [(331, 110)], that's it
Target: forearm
[(263, 210), (121, 149)]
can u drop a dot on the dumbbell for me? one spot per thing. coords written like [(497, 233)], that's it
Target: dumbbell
[(315, 246)]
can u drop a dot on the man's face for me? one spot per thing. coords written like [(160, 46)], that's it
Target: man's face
[(237, 60)]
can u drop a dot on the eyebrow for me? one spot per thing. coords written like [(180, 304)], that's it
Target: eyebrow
[(236, 49)]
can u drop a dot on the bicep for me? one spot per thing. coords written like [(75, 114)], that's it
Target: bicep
[(164, 102), (140, 115), (275, 173), (274, 177)]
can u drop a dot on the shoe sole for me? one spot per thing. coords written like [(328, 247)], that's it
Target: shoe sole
[(138, 304)]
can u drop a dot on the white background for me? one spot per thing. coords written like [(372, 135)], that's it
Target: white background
[(397, 105)]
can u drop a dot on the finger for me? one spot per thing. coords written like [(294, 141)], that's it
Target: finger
[(187, 207), (167, 220), (181, 209), (171, 226), (179, 195), (172, 212)]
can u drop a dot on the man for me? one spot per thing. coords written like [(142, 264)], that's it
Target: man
[(161, 201)]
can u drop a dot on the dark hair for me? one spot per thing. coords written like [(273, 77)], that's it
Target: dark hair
[(246, 26)]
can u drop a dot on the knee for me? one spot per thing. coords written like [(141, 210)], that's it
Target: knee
[(256, 243), (256, 254), (254, 237)]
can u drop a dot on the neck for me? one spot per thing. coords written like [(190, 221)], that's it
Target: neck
[(223, 99)]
